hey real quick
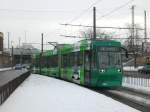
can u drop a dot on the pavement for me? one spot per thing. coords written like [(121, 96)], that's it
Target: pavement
[(7, 76)]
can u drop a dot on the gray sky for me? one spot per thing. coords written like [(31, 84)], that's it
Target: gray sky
[(37, 16)]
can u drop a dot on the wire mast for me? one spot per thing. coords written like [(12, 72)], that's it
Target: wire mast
[(145, 25), (132, 38), (94, 23)]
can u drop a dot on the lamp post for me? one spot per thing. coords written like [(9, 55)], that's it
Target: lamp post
[(12, 55), (41, 54)]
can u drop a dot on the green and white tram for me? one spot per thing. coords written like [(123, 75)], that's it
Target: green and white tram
[(91, 63)]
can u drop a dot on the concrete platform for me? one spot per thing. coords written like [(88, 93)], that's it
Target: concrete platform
[(9, 81), (7, 76)]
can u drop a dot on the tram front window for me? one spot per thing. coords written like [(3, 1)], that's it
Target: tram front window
[(109, 57)]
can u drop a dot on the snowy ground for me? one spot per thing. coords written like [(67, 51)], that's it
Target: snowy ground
[(44, 94)]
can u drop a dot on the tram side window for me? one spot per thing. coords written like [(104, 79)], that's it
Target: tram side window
[(77, 59), (80, 59), (68, 60), (52, 61), (37, 63), (71, 59), (33, 62), (87, 60), (45, 61), (92, 55), (48, 62), (64, 60)]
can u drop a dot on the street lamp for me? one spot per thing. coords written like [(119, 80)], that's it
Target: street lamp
[(12, 54)]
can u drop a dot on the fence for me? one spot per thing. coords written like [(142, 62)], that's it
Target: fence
[(8, 88), (135, 78)]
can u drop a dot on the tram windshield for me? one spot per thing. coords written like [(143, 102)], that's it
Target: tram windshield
[(109, 57)]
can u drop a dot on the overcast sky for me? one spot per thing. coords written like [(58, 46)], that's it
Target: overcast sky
[(37, 16)]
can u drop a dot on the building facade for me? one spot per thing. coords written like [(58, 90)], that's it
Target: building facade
[(5, 58)]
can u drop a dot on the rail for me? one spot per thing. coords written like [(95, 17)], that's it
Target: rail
[(133, 99)]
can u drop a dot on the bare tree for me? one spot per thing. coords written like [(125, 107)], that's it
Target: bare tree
[(134, 44), (99, 34)]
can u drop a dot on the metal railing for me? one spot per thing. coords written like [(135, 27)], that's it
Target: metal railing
[(135, 78), (8, 88)]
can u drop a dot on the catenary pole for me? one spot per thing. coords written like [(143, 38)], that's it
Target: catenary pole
[(41, 53), (94, 23), (145, 26)]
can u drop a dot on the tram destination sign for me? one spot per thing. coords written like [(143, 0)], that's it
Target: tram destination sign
[(109, 49)]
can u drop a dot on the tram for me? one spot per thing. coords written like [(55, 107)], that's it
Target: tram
[(93, 63)]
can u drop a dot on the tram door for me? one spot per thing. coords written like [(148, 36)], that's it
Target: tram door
[(87, 67)]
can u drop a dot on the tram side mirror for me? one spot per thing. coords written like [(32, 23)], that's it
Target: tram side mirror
[(126, 54), (126, 51)]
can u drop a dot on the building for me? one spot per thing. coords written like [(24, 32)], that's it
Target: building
[(5, 58), (1, 42), (23, 55)]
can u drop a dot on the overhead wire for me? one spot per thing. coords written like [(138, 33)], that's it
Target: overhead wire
[(72, 36), (84, 11), (112, 11), (104, 27), (116, 9)]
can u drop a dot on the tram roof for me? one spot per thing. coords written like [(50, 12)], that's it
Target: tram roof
[(80, 46)]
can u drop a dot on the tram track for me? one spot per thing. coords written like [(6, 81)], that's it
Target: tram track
[(136, 99)]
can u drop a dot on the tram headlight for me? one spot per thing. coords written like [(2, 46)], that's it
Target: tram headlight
[(102, 70), (119, 70)]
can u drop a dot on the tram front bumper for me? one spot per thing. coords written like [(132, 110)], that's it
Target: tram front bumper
[(106, 80)]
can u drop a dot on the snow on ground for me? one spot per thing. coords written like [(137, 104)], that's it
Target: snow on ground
[(45, 94), (141, 84), (4, 69)]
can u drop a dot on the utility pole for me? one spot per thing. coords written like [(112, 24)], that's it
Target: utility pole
[(25, 36), (145, 28), (19, 41), (8, 40), (145, 31), (132, 39), (136, 48), (94, 37), (12, 56), (42, 43), (21, 50), (41, 53), (94, 23)]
